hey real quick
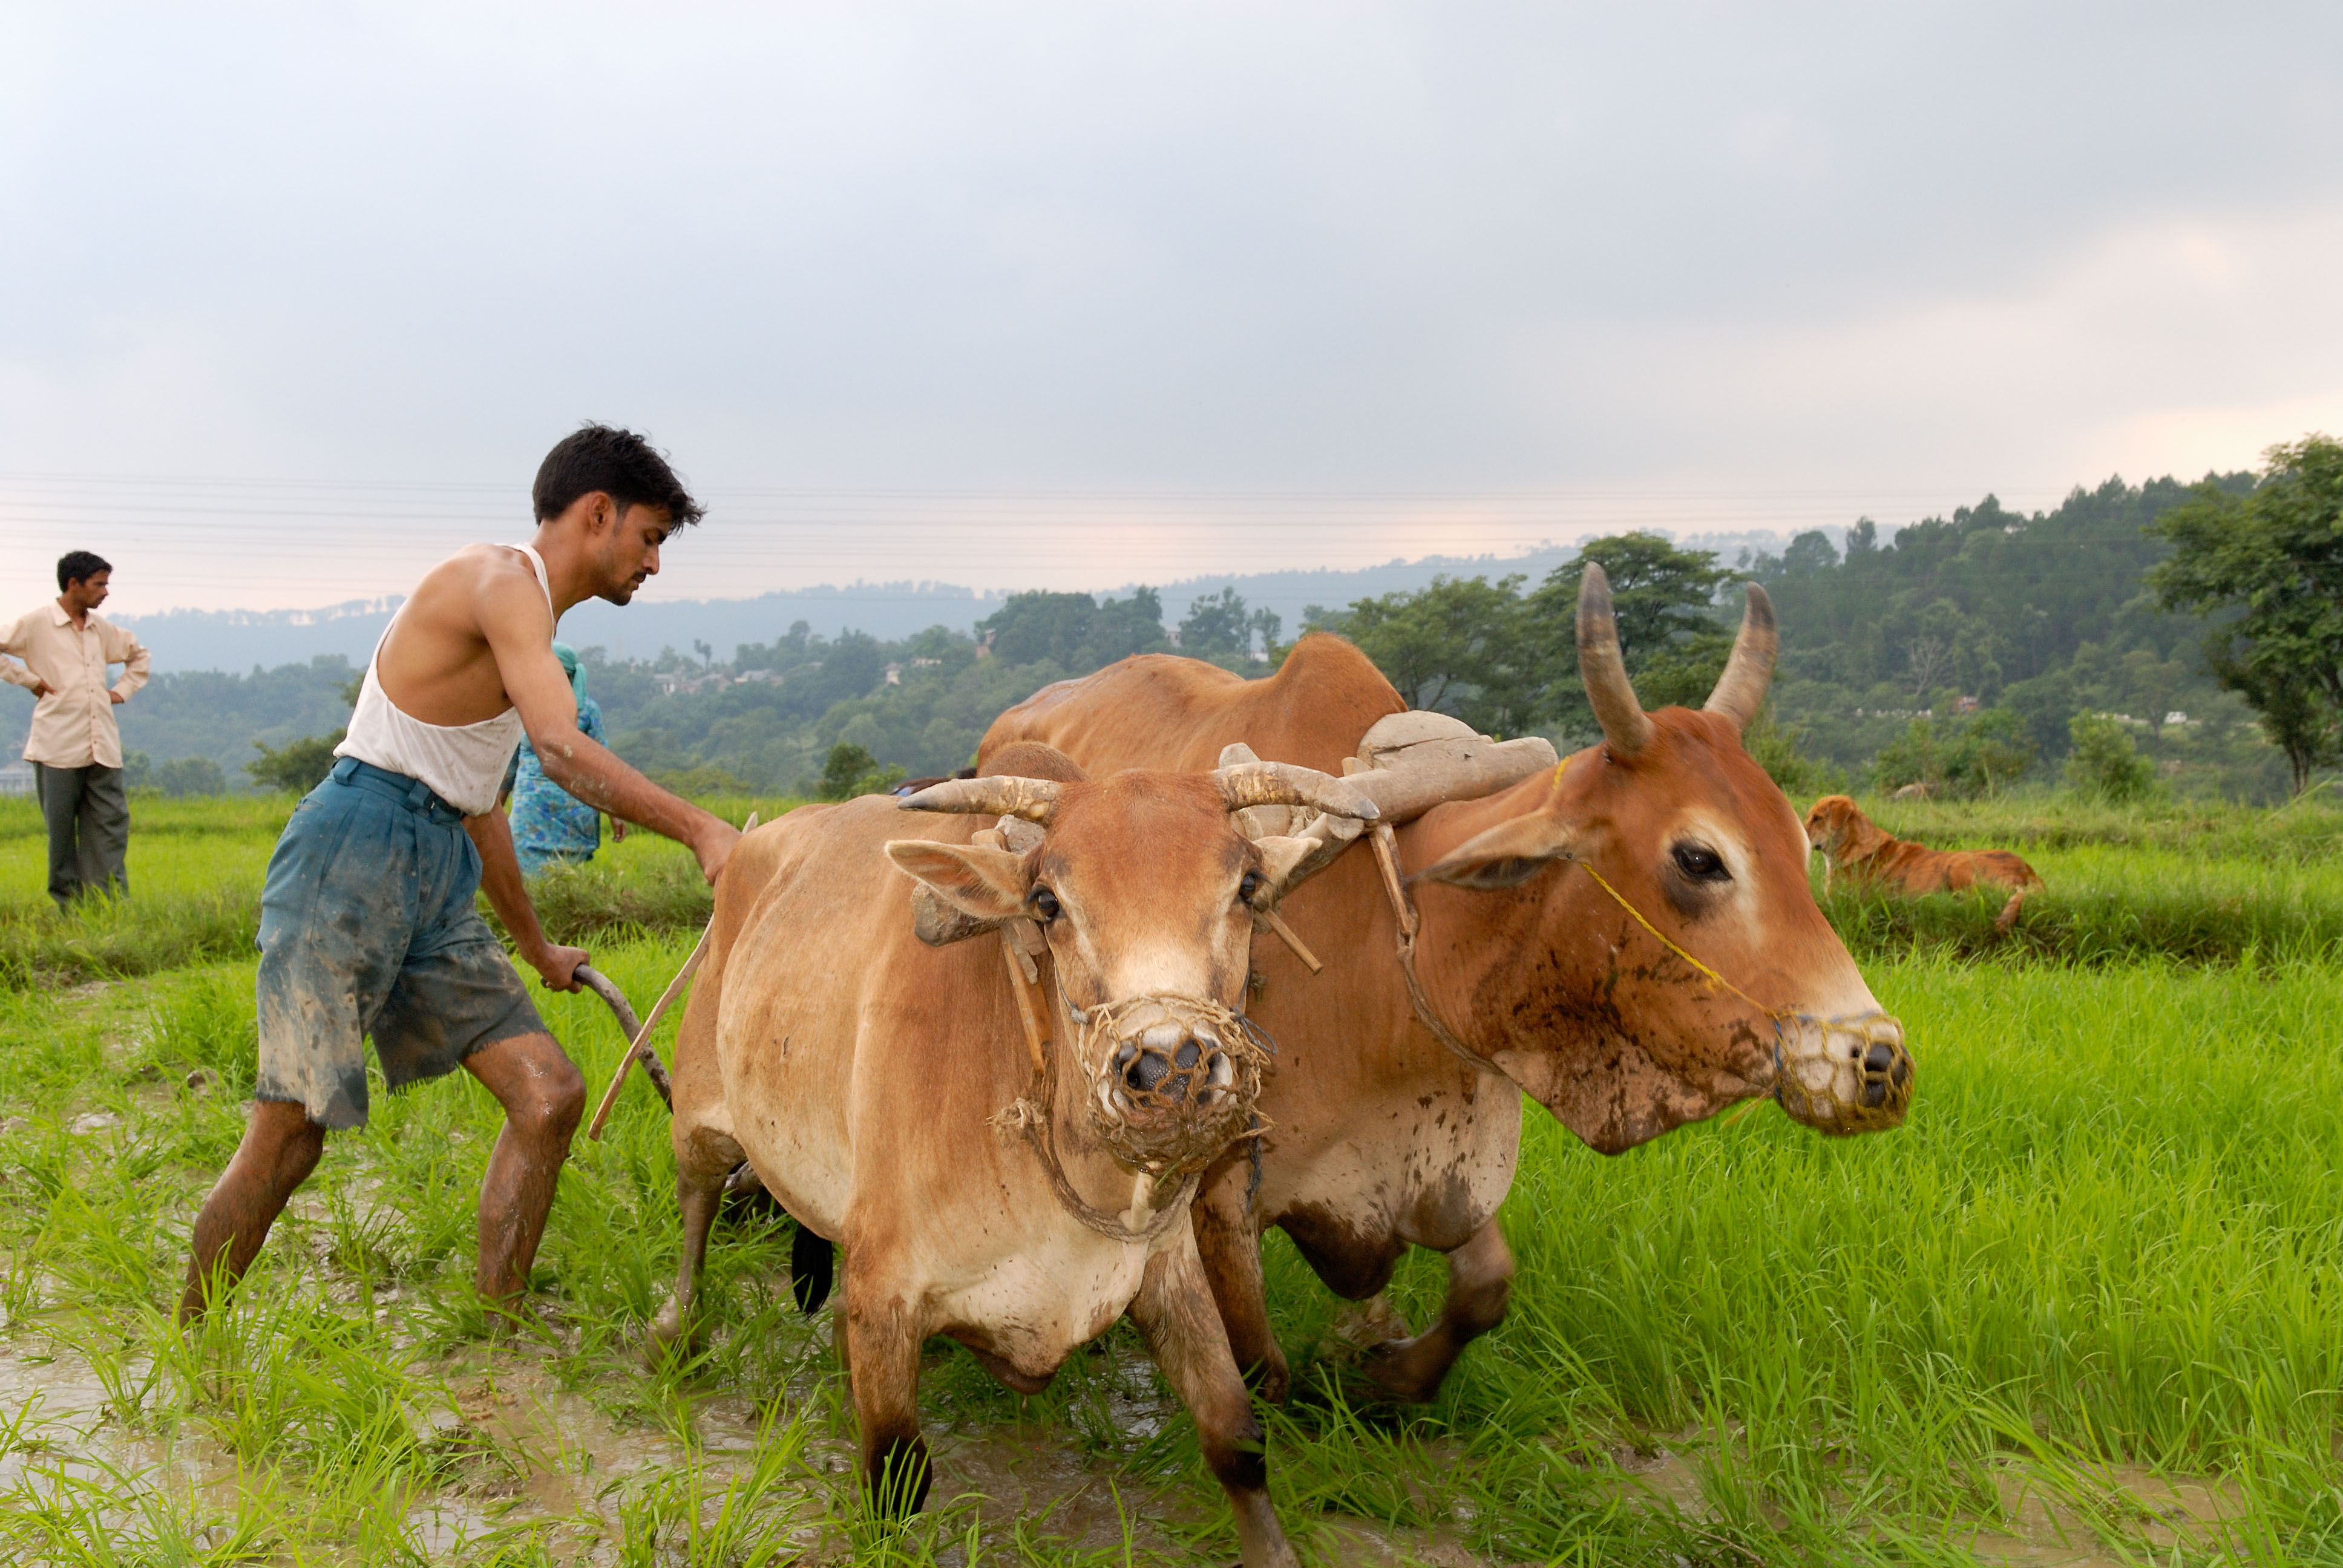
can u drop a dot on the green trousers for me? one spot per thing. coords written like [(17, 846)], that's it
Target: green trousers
[(88, 814)]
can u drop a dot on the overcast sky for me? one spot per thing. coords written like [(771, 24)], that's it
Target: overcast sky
[(294, 297)]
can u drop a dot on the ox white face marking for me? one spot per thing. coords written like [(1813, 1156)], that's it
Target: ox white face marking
[(1153, 950)]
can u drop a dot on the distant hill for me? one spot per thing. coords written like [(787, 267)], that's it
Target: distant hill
[(189, 639)]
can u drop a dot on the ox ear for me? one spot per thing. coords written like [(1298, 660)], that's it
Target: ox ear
[(1281, 857), (1505, 856), (987, 884)]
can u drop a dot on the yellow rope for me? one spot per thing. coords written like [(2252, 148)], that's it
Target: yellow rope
[(1619, 899)]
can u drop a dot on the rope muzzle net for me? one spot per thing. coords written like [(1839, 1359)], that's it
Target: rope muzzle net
[(1172, 1082)]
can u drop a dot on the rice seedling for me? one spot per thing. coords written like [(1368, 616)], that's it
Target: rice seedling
[(2107, 905), (2099, 1263), (2308, 828)]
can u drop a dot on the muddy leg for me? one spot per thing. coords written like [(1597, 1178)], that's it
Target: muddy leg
[(703, 1158), (281, 1146), (543, 1095), (882, 1347), (1229, 1248), (1480, 1284), (1174, 1310)]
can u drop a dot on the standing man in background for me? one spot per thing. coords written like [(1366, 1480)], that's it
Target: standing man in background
[(74, 747)]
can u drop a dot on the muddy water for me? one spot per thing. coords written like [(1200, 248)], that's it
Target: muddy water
[(561, 1463)]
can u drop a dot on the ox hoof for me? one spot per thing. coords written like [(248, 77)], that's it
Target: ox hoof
[(1408, 1370), (895, 1478), (670, 1339)]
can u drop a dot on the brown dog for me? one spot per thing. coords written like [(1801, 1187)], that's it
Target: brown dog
[(1854, 844)]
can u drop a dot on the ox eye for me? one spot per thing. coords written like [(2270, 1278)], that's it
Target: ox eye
[(1046, 908), (1700, 864), (1249, 888)]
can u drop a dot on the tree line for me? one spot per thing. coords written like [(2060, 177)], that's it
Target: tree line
[(2133, 637)]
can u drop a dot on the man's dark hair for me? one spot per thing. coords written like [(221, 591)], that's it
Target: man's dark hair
[(79, 567), (619, 463)]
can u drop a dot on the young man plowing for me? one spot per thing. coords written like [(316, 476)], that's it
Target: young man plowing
[(368, 924)]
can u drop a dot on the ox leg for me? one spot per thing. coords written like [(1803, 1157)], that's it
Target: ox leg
[(1229, 1248), (703, 1158), (1175, 1310), (1480, 1285), (882, 1354)]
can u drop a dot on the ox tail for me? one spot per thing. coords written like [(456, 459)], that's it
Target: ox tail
[(811, 1264), (2008, 916), (812, 1258)]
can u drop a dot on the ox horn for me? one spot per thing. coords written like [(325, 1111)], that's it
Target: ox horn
[(1741, 690), (1625, 727), (1034, 800), (1246, 784)]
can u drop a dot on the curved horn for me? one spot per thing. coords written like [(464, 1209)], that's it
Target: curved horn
[(1035, 800), (1245, 784), (1741, 690), (1625, 727)]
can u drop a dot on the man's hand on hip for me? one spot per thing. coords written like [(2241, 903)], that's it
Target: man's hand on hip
[(558, 965), (114, 697), (39, 688)]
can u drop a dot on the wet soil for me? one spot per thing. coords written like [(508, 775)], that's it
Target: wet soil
[(547, 1455), (557, 1461)]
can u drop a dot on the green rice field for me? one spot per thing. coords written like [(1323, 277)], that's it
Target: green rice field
[(2086, 1307)]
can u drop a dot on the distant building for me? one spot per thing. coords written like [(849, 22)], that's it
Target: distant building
[(17, 778)]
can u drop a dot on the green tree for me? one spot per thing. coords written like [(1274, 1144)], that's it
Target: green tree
[(1912, 757), (1664, 599), (2272, 562), (1461, 646), (1980, 755), (1946, 646), (1219, 626), (1073, 630), (848, 770), (2104, 763), (1988, 752), (185, 776), (297, 767)]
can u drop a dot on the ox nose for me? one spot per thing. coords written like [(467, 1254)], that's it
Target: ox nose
[(1844, 1074), (1169, 1063)]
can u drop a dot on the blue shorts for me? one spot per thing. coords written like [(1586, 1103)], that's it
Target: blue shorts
[(368, 926)]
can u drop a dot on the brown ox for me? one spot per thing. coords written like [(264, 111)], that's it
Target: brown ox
[(864, 1077), (1384, 1137), (1853, 845)]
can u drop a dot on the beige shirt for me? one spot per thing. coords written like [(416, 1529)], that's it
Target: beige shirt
[(73, 726)]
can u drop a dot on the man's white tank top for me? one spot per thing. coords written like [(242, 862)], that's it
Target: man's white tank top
[(464, 763)]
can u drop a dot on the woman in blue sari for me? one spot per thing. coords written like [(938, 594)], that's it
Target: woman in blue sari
[(552, 826)]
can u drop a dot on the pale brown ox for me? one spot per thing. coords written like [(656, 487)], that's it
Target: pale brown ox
[(1383, 1137), (864, 1077), (1852, 845)]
